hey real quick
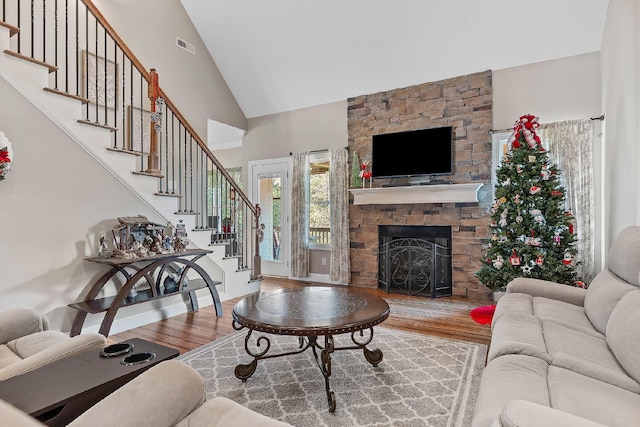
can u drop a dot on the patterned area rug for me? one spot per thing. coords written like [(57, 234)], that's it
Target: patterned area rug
[(421, 381)]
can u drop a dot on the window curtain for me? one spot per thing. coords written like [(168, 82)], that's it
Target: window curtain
[(570, 145), (300, 215), (339, 215)]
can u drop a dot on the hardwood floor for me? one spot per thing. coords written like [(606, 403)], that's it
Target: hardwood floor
[(445, 317)]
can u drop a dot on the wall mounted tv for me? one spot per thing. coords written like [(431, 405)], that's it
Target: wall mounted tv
[(413, 153)]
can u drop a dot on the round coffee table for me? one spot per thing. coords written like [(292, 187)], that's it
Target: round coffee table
[(309, 313)]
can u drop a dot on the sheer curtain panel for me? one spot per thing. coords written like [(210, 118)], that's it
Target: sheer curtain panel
[(339, 213), (570, 145), (300, 215)]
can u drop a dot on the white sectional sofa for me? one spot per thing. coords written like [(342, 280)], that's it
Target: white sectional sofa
[(565, 356)]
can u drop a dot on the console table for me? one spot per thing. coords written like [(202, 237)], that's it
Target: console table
[(154, 271)]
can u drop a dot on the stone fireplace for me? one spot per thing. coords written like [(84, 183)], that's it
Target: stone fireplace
[(463, 102)]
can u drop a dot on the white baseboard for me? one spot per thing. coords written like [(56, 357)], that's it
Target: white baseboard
[(319, 278), (164, 309)]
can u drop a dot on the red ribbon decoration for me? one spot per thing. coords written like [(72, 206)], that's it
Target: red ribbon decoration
[(526, 125)]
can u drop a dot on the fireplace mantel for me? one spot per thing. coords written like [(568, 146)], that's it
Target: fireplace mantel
[(438, 193)]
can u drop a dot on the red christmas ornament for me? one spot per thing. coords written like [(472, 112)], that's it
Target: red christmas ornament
[(539, 260), (514, 259), (556, 193)]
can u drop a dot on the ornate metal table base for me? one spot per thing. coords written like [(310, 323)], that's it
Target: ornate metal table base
[(322, 354)]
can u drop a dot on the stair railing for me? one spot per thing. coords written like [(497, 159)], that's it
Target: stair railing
[(89, 62)]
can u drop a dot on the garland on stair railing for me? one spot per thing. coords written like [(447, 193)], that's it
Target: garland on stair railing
[(6, 156)]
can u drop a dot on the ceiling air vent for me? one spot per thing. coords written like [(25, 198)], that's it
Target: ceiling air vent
[(186, 45)]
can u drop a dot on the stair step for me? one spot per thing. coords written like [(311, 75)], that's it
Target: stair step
[(186, 213), (12, 30), (123, 151), (52, 68), (152, 174), (99, 125), (67, 94), (168, 194)]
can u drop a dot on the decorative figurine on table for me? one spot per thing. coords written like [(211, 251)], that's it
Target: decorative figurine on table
[(365, 174), (103, 249), (167, 244), (180, 240)]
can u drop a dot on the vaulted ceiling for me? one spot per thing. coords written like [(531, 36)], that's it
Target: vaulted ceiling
[(282, 55)]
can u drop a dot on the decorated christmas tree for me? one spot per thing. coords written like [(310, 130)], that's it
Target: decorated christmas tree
[(531, 233)]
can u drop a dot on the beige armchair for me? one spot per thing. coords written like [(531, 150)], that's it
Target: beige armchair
[(26, 343)]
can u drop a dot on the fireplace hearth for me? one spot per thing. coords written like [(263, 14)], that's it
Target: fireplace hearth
[(415, 260)]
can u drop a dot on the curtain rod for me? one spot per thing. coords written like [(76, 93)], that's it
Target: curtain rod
[(510, 129), (317, 151)]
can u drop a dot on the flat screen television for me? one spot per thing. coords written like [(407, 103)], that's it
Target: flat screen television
[(413, 153)]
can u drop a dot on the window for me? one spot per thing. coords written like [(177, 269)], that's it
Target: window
[(319, 203)]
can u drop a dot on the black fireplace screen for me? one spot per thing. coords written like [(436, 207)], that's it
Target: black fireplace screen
[(415, 266)]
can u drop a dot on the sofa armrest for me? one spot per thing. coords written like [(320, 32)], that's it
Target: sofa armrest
[(19, 322), (547, 289), (14, 417), (160, 397), (68, 347), (522, 413)]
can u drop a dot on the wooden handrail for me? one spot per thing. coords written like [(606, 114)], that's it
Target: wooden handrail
[(147, 76)]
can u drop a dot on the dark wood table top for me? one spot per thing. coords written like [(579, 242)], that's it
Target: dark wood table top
[(125, 261), (311, 311)]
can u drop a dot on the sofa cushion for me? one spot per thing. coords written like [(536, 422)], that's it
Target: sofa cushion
[(32, 344), (592, 399), (615, 376), (561, 311), (623, 258), (510, 377), (623, 333), (603, 294), (520, 413), (544, 308), (518, 333), (591, 347)]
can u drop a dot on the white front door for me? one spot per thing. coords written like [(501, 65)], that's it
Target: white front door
[(270, 190)]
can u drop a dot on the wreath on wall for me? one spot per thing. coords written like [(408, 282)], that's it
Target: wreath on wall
[(6, 156)]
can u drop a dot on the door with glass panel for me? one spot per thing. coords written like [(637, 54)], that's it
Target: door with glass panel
[(269, 189)]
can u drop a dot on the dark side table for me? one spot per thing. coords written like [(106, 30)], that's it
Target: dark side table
[(59, 392)]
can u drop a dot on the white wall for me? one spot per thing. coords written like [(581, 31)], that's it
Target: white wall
[(562, 89), (276, 135), (193, 82), (53, 205), (621, 98)]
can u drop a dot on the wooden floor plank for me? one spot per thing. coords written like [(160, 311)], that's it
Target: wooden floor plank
[(446, 317)]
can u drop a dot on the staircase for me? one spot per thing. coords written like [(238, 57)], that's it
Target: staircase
[(69, 63)]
